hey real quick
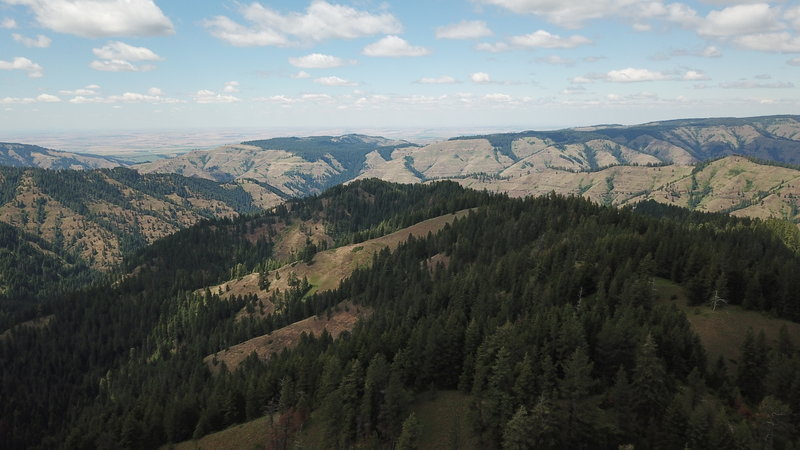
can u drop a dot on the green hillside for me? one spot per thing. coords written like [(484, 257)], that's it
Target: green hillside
[(543, 313)]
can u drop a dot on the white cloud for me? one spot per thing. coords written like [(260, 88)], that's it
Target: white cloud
[(320, 21), (693, 75), (749, 84), (118, 56), (567, 13), (301, 75), (480, 77), (42, 98), (153, 96), (444, 79), (40, 41), (394, 46), (240, 36), (581, 80), (496, 47), (47, 98), (8, 23), (318, 61), (205, 96), (466, 29), (231, 87), (633, 75), (119, 65), (498, 97), (740, 19), (793, 62), (710, 52), (100, 18), (556, 60), (16, 100), (20, 63), (537, 39), (544, 39), (770, 42), (334, 81), (121, 50), (793, 16)]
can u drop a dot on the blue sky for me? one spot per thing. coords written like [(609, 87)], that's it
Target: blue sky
[(143, 64)]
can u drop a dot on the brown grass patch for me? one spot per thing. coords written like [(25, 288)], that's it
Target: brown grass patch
[(722, 331), (39, 322), (330, 267), (343, 318)]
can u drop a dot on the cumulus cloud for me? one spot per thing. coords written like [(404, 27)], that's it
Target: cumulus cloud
[(693, 75), (100, 18), (120, 57), (496, 47), (537, 39), (88, 90), (394, 46), (740, 19), (710, 52), (41, 98), (231, 87), (301, 75), (556, 60), (318, 61), (567, 13), (320, 21), (770, 42), (20, 63), (633, 75), (544, 39), (793, 62), (205, 96), (121, 50), (334, 81), (750, 84), (8, 23), (444, 79), (47, 98), (153, 96), (480, 78), (581, 80), (119, 65), (793, 16), (40, 41), (466, 29)]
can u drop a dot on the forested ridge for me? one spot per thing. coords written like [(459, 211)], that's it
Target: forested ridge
[(544, 313)]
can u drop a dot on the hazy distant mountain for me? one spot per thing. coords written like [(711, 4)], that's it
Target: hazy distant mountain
[(301, 166), (296, 166), (23, 155)]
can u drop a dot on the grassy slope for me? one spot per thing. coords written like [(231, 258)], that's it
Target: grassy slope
[(325, 272), (722, 331), (733, 184), (442, 416)]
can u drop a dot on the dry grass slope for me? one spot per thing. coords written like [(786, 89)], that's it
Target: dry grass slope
[(722, 331)]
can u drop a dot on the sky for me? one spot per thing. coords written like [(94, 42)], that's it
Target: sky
[(83, 65)]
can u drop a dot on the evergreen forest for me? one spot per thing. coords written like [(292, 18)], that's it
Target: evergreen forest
[(543, 311)]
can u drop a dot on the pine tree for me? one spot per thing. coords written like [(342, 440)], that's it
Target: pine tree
[(649, 382), (409, 437), (750, 376), (519, 431)]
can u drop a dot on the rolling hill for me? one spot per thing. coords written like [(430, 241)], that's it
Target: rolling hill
[(609, 163), (99, 215), (23, 155), (548, 309)]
